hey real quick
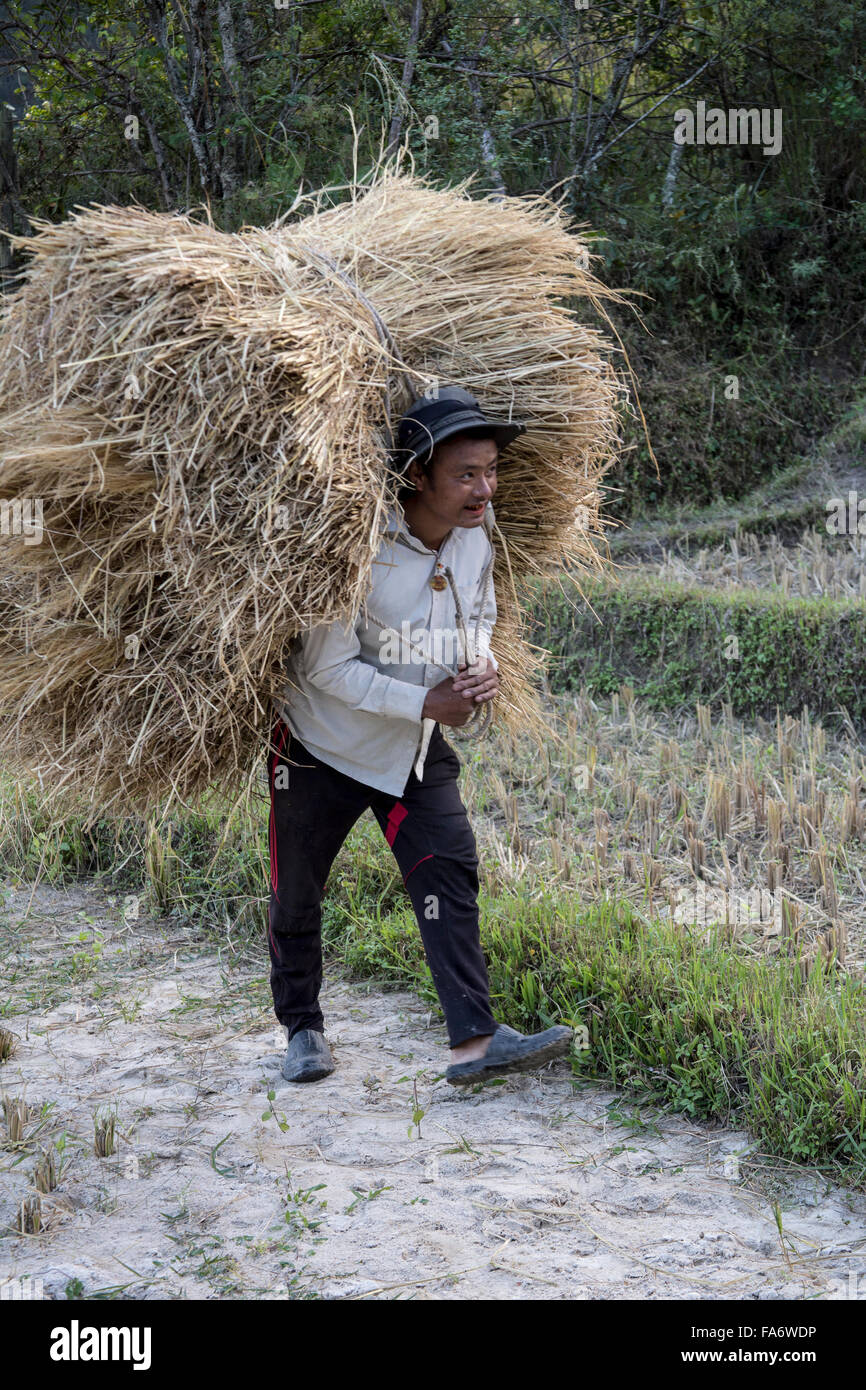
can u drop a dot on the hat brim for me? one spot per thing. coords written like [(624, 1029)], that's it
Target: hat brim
[(422, 443)]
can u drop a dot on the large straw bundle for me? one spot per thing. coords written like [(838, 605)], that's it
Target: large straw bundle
[(204, 417)]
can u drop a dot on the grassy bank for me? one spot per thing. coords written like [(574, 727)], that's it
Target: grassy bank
[(667, 1012), (783, 502), (675, 644)]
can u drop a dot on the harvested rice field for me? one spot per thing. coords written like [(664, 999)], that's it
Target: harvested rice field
[(820, 565), (757, 826), (151, 1149)]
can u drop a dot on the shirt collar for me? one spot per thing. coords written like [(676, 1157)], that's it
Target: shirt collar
[(397, 525)]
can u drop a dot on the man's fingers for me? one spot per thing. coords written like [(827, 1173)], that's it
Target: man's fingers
[(476, 683), (478, 687), (468, 676)]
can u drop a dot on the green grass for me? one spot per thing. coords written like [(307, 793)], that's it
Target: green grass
[(786, 519), (676, 644), (763, 1045)]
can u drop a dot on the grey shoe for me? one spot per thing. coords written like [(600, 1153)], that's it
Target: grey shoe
[(511, 1051), (308, 1057)]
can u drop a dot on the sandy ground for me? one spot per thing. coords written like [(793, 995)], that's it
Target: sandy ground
[(535, 1187)]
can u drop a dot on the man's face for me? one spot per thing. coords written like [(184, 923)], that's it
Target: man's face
[(462, 480)]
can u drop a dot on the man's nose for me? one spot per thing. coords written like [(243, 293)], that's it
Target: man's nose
[(484, 489)]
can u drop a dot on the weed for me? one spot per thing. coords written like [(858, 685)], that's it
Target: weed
[(104, 1124)]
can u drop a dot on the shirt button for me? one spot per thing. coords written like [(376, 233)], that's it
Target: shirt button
[(438, 582)]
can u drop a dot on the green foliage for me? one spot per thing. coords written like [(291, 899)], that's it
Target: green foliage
[(750, 265), (688, 1021), (676, 645)]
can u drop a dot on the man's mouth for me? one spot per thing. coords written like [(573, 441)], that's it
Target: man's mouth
[(476, 509)]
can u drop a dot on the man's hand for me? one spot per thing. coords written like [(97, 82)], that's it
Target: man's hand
[(479, 682), (447, 706), (453, 700)]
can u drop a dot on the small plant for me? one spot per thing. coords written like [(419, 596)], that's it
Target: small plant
[(130, 1008), (8, 1044), (30, 1221), (17, 1115), (45, 1175), (106, 1201), (103, 1135), (417, 1111), (86, 960), (634, 1122), (364, 1194), (300, 1207), (463, 1147), (783, 1239), (271, 1114), (161, 864)]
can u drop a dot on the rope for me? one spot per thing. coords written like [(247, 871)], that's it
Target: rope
[(479, 721), (481, 717), (382, 331)]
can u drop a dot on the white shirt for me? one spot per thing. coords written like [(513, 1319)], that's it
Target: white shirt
[(355, 695)]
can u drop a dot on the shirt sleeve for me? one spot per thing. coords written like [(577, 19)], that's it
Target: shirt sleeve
[(332, 664)]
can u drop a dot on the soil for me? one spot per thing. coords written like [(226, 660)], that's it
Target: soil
[(539, 1186)]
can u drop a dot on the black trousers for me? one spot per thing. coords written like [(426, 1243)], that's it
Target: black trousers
[(430, 836)]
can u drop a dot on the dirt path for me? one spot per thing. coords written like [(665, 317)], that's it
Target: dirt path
[(527, 1189)]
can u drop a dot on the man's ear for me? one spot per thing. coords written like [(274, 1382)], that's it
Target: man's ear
[(416, 475)]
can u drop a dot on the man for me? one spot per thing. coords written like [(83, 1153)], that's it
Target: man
[(359, 727)]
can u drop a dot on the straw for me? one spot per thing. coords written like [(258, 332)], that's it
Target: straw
[(205, 417)]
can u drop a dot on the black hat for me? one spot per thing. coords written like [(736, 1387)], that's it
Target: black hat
[(431, 419)]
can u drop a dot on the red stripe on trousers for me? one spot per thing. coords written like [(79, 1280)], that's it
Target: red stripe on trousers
[(414, 867), (397, 815)]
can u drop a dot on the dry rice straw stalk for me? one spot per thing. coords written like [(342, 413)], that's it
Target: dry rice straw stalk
[(204, 415)]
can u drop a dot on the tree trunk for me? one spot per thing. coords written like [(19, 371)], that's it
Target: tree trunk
[(571, 29), (159, 157), (198, 145), (488, 144), (669, 186), (406, 80), (9, 204), (231, 99)]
